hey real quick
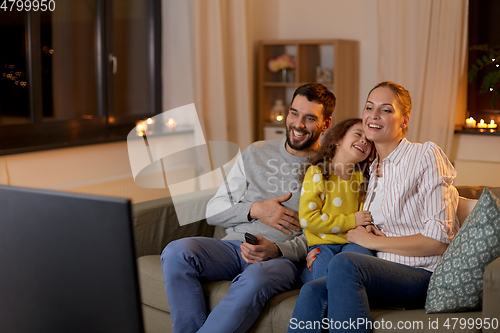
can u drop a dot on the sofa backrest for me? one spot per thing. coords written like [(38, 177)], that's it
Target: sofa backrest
[(465, 207)]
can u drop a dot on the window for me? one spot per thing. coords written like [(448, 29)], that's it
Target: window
[(484, 28), (81, 73)]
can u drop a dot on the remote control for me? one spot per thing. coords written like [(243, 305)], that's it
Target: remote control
[(250, 239)]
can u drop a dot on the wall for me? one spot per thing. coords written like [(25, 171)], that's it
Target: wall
[(81, 167), (476, 159), (101, 169), (320, 19)]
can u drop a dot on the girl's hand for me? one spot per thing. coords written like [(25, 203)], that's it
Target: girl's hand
[(363, 217), (363, 237), (311, 256)]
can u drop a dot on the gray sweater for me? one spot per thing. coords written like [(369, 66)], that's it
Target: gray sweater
[(263, 171)]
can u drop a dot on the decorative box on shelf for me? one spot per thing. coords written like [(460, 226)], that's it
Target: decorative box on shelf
[(272, 132)]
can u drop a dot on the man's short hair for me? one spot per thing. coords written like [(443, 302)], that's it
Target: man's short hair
[(316, 92)]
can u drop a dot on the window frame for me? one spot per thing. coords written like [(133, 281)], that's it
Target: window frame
[(38, 135)]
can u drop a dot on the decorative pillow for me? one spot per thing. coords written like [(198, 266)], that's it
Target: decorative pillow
[(457, 282)]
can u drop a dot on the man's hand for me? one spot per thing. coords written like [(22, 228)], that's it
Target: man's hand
[(264, 250), (272, 213)]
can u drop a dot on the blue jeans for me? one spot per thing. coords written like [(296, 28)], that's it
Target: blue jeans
[(354, 283), (320, 264), (188, 262)]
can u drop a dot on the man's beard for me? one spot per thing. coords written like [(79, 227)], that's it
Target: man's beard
[(304, 145)]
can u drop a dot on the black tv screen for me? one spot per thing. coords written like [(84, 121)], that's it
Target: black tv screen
[(68, 263)]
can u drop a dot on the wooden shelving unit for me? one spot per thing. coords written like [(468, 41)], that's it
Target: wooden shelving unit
[(341, 56)]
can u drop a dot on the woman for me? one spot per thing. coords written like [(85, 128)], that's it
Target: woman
[(413, 204)]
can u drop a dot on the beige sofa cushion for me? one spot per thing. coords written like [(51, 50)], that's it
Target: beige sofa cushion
[(151, 282), (465, 206), (153, 290)]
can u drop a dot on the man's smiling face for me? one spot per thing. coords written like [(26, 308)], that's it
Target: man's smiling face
[(304, 124)]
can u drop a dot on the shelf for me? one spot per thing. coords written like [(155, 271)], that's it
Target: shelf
[(280, 84), (290, 84), (341, 57), (478, 131)]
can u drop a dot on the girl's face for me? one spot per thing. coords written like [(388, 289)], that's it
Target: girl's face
[(383, 120), (354, 146)]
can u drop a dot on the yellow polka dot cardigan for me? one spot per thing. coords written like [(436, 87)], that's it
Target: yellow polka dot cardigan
[(327, 206)]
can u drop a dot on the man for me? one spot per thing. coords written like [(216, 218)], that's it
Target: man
[(263, 200)]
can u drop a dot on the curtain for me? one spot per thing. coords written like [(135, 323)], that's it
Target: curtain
[(206, 61), (423, 47)]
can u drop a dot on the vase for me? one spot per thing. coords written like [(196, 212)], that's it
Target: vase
[(287, 75), (284, 76)]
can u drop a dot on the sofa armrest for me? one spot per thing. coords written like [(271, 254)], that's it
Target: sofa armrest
[(491, 291), (156, 223)]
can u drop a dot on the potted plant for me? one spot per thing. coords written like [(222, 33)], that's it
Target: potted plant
[(282, 63), (491, 61)]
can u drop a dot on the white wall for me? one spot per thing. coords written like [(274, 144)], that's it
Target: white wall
[(266, 19), (476, 159), (100, 169), (321, 19)]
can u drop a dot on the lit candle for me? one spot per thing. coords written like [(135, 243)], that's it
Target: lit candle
[(150, 121), (482, 124), (141, 127), (492, 124), (171, 124), (279, 117), (470, 122)]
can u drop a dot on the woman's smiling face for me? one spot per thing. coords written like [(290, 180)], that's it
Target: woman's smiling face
[(383, 120)]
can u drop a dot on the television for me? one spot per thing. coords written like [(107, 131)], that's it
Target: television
[(68, 263)]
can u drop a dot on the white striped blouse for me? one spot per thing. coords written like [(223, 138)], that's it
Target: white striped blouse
[(418, 197)]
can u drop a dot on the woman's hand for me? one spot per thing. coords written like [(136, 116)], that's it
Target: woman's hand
[(363, 217), (410, 246), (311, 256), (372, 229), (364, 236)]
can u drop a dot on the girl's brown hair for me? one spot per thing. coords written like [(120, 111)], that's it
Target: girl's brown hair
[(324, 155)]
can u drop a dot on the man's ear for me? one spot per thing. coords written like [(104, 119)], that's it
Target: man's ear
[(327, 123)]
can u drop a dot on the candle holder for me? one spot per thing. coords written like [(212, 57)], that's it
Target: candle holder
[(278, 112), (470, 123), (171, 124), (141, 127), (482, 124)]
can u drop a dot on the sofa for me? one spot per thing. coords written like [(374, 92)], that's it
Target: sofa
[(156, 224)]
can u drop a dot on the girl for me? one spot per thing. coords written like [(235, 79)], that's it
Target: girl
[(332, 194)]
